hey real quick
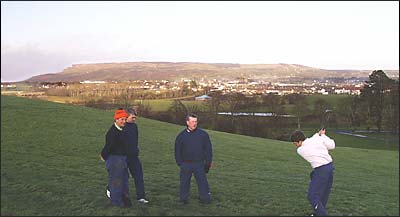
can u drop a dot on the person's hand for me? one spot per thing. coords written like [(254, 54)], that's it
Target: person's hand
[(322, 131), (207, 167), (101, 157)]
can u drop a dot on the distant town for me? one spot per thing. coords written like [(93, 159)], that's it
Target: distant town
[(245, 86)]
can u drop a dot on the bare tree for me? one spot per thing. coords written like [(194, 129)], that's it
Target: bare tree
[(349, 108), (178, 111), (300, 108)]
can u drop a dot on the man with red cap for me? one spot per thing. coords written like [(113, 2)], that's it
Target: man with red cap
[(114, 154)]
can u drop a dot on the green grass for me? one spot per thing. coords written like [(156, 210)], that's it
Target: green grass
[(50, 166), (332, 99), (163, 104), (160, 105)]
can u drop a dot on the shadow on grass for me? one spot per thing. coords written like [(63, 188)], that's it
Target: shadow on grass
[(142, 209)]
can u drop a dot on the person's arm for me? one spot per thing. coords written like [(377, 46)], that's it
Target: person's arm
[(208, 149), (130, 138), (137, 135), (107, 147), (328, 142), (178, 151)]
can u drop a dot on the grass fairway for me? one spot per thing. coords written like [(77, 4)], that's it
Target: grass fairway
[(50, 166), (162, 105)]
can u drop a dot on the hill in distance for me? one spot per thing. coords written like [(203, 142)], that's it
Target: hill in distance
[(190, 70)]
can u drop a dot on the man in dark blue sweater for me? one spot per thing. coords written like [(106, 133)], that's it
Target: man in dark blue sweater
[(193, 154), (131, 137)]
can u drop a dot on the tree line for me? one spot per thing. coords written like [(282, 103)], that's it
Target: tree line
[(376, 108), (121, 91)]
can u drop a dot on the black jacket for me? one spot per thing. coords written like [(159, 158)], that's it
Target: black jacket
[(114, 143)]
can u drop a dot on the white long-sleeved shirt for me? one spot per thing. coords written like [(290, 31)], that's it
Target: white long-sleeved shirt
[(315, 150)]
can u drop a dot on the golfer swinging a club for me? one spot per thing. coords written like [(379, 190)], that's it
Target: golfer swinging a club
[(315, 151)]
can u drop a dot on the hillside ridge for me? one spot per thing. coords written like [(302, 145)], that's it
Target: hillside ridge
[(193, 70)]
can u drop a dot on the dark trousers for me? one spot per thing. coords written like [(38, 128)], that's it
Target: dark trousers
[(196, 168), (320, 188), (117, 178), (136, 170)]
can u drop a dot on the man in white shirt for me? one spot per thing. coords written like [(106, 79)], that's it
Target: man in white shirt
[(315, 151)]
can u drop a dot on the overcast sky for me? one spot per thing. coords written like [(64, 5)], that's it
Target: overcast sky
[(46, 37)]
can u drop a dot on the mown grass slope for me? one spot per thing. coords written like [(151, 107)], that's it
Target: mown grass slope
[(50, 166)]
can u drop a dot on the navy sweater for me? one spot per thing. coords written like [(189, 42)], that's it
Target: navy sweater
[(114, 144), (193, 146), (130, 137)]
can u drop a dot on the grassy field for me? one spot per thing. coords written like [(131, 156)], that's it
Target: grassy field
[(160, 105), (50, 166), (164, 104), (333, 99), (157, 105)]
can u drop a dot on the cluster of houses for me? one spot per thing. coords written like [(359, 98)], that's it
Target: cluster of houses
[(260, 87), (250, 87), (8, 86), (244, 86)]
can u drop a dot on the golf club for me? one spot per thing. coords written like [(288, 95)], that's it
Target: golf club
[(325, 120)]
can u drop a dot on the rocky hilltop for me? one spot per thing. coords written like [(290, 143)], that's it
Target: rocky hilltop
[(191, 70)]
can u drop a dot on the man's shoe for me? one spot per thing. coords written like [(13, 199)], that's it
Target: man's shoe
[(143, 200), (108, 193)]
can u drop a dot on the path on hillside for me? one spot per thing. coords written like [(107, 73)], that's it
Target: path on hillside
[(348, 132)]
